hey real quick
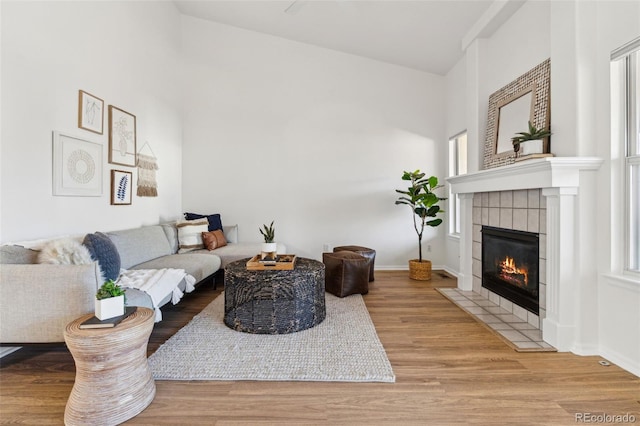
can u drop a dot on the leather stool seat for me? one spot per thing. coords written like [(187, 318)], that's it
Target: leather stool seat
[(362, 251), (346, 273)]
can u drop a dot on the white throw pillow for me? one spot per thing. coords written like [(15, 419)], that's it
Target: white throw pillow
[(190, 234), (65, 251)]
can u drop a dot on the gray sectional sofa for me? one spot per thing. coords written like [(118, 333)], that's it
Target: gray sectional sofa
[(38, 300)]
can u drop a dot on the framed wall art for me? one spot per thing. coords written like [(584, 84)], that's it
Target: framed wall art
[(120, 187), (90, 112), (77, 166), (510, 108), (122, 137)]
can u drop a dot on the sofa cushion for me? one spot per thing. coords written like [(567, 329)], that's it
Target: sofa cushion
[(140, 245), (105, 252), (215, 222), (12, 254), (190, 234), (171, 232), (214, 239), (200, 264), (232, 252)]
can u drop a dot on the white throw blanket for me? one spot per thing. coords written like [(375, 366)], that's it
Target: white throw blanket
[(158, 284)]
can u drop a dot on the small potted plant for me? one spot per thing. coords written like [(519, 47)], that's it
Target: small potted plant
[(424, 207), (269, 247), (531, 142), (110, 300)]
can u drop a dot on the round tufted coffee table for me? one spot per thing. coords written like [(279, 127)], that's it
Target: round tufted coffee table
[(274, 302)]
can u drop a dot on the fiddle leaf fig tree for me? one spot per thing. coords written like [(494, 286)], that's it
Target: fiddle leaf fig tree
[(422, 200)]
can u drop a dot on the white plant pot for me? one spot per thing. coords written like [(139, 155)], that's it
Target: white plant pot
[(268, 249), (531, 147), (109, 308)]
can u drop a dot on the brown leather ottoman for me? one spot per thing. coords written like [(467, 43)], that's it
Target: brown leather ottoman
[(362, 251), (346, 273)]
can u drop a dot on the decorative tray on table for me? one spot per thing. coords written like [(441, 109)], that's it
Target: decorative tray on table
[(281, 262)]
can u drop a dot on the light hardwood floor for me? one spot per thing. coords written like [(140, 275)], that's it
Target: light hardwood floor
[(449, 370)]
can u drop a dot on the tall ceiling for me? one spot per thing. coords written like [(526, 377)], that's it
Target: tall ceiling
[(425, 35)]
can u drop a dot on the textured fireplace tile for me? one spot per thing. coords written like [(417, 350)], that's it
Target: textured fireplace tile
[(542, 289), (506, 199), (506, 218), (488, 319), (520, 219), (494, 199), (514, 336), (477, 215), (507, 305), (533, 319), (477, 199), (485, 199), (543, 201), (543, 245), (533, 220), (494, 216), (476, 310), (508, 318), (485, 303), (477, 233), (493, 309), (477, 284), (522, 326), (500, 326), (476, 250), (543, 221), (520, 198), (527, 345), (533, 198), (535, 335), (543, 271), (476, 267), (485, 215), (466, 303), (494, 298), (520, 312)]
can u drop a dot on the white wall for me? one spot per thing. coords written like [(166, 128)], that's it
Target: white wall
[(122, 52), (314, 139)]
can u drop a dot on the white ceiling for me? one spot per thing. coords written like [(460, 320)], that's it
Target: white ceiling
[(422, 34)]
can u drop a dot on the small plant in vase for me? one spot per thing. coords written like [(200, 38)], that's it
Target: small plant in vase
[(531, 142), (269, 247), (424, 207), (110, 300)]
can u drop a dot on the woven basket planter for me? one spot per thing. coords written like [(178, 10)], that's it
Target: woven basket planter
[(420, 271)]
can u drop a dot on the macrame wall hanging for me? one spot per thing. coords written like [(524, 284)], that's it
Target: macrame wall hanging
[(147, 166)]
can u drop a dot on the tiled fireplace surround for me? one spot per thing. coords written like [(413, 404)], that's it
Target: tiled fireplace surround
[(541, 195), (522, 210)]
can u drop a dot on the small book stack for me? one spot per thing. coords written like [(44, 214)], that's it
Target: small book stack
[(269, 260), (94, 322)]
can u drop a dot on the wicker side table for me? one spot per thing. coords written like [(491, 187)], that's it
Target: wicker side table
[(113, 381)]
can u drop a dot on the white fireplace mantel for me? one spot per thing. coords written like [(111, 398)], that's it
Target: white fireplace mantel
[(549, 172), (560, 179)]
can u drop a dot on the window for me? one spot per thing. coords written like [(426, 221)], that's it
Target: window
[(457, 166), (628, 66)]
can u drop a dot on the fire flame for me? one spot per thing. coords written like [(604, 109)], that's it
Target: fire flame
[(508, 267)]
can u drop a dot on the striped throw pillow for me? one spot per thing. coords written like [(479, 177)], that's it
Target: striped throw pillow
[(190, 234)]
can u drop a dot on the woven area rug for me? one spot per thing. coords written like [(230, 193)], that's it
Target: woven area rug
[(343, 348)]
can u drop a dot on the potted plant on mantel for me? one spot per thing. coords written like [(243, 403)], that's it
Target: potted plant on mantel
[(110, 300), (269, 247), (531, 142), (424, 207)]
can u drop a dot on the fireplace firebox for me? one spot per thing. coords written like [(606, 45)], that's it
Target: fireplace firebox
[(510, 265)]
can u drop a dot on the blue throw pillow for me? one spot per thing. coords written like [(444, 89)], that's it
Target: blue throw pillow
[(105, 252), (215, 222)]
